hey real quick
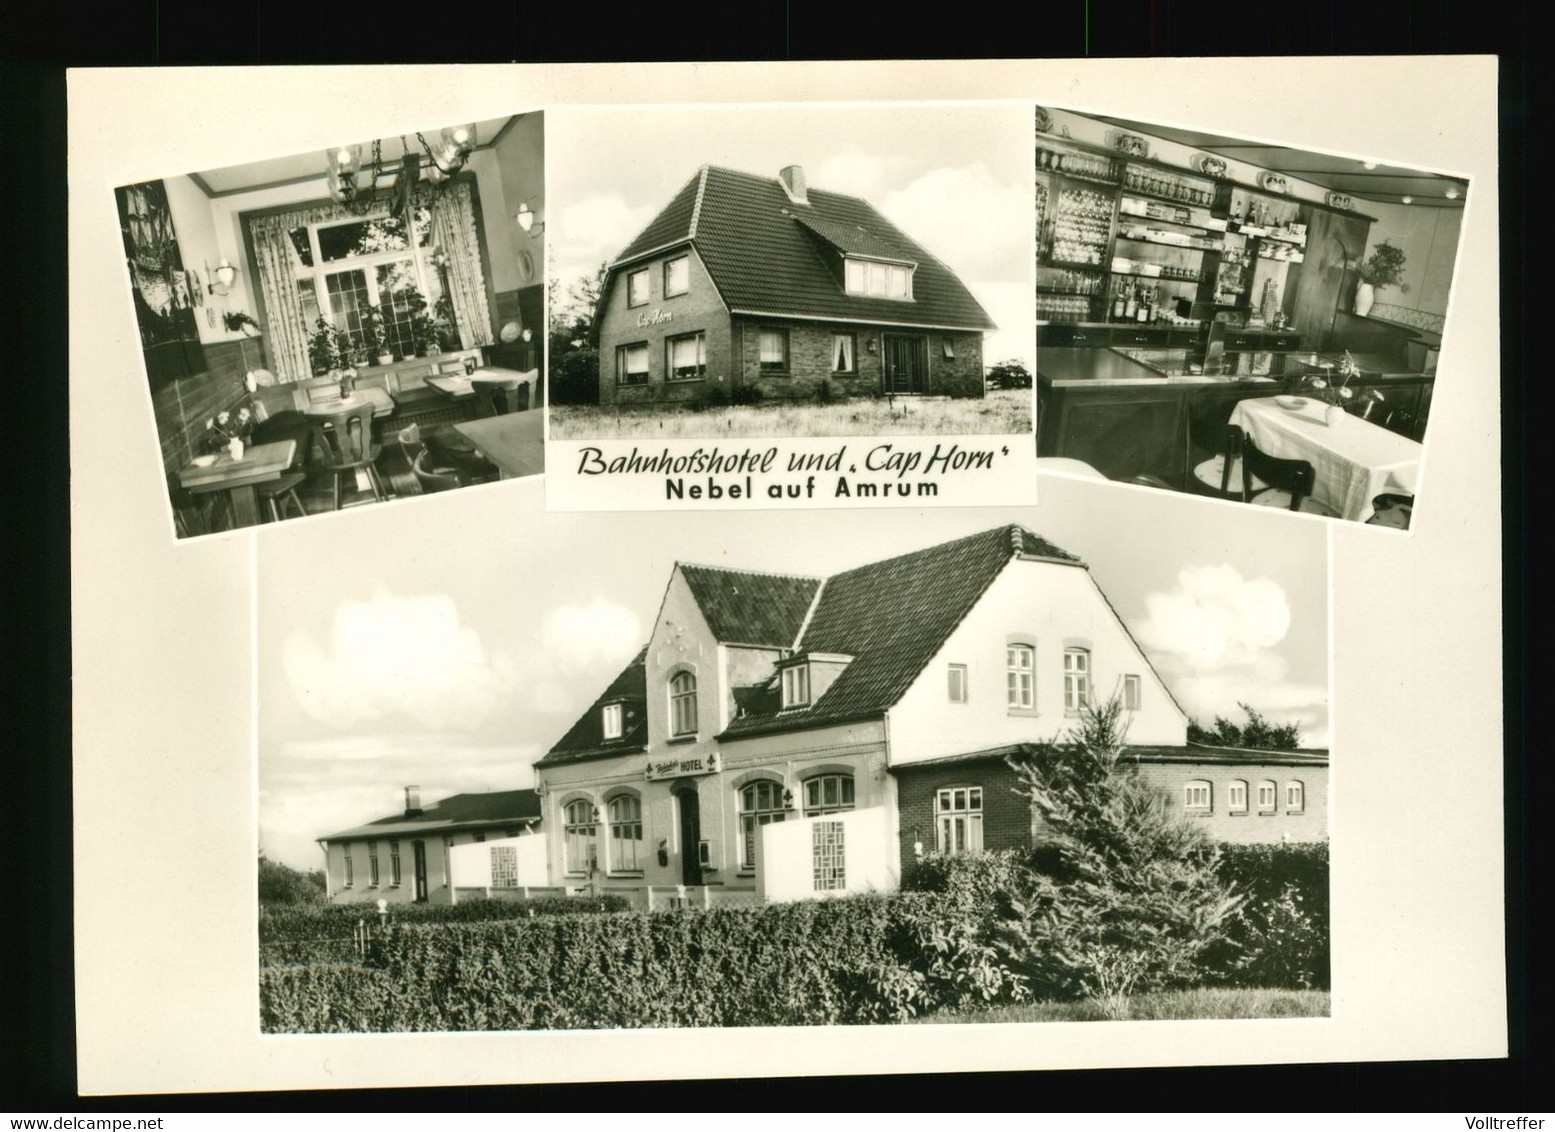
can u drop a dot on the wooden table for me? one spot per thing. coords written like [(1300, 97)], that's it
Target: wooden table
[(383, 404), (1355, 460), (515, 442), (260, 464)]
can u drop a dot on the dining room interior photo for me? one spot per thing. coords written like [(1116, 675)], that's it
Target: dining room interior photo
[(344, 326), (1236, 319)]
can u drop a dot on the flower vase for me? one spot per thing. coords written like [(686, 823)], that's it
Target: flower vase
[(1332, 415), (235, 447), (1365, 295)]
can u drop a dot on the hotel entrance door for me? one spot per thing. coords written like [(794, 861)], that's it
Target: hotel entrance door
[(906, 364), (690, 835)]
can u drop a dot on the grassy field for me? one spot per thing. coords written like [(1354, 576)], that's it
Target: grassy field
[(1002, 411), (1201, 1003)]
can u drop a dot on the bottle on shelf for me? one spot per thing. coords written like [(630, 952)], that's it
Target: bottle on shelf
[(1131, 304), (1117, 303)]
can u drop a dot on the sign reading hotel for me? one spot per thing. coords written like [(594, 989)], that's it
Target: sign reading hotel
[(680, 768)]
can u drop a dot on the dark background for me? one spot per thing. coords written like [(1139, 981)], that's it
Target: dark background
[(37, 1071)]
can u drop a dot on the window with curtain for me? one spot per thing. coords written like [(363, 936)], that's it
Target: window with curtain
[(579, 841), (761, 803), (685, 357), (626, 833), (632, 364), (843, 353), (773, 347), (958, 815)]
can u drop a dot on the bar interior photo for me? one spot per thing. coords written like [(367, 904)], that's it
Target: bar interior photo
[(343, 326), (1237, 319)]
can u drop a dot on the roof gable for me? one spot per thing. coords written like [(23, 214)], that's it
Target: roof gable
[(761, 260), (892, 617), (586, 738), (747, 608)]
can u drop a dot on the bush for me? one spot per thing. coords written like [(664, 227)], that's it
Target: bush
[(991, 882), (851, 959), (282, 885), (1281, 937)]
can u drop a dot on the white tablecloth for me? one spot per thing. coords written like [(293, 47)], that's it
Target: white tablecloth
[(1355, 460)]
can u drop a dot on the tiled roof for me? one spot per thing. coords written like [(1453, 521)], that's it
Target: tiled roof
[(744, 608), (455, 812), (586, 738), (1189, 753), (762, 261), (671, 225), (892, 617)]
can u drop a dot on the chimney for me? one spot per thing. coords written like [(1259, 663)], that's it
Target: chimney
[(412, 801), (792, 178)]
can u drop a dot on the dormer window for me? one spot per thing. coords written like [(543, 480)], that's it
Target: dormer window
[(877, 278), (610, 721), (796, 686)]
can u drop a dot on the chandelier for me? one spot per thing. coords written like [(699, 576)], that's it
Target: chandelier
[(362, 189)]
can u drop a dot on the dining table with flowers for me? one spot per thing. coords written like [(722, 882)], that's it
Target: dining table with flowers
[(1354, 460)]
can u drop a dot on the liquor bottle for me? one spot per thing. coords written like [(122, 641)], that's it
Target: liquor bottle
[(1131, 307), (1117, 305), (1143, 313)]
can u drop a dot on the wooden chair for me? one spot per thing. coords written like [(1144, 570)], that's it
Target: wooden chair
[(1392, 511), (345, 442), (277, 493), (494, 397), (432, 479), (1288, 483), (195, 514), (1220, 476)]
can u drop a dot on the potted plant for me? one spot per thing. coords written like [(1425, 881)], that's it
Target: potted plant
[(1385, 268), (447, 324), (240, 320), (324, 347), (377, 335)]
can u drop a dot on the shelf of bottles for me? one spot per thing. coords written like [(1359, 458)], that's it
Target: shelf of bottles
[(1168, 185), (1274, 221), (1082, 166), (1080, 228), (1067, 294)]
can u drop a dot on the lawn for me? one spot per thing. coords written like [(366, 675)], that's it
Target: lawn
[(1198, 1003), (1001, 411)]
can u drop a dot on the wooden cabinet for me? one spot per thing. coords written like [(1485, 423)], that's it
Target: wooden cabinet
[(1121, 431)]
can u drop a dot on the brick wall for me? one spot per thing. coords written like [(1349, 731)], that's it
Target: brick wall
[(810, 360), (1310, 823), (699, 309), (1006, 811), (183, 405)]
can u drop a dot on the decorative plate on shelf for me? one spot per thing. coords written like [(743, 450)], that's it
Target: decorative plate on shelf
[(1273, 182), (1132, 145), (1212, 166), (1340, 200), (1044, 121)]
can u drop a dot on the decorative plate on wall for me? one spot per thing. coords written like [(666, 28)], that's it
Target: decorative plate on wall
[(1133, 145), (526, 266), (1273, 182), (1340, 200), (1044, 121), (1212, 166)]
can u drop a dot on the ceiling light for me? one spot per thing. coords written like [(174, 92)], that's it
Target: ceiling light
[(1408, 200), (1368, 165), (1452, 192)]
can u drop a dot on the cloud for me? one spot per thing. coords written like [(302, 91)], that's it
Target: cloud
[(977, 224), (576, 638), (398, 655), (593, 229), (1214, 639)]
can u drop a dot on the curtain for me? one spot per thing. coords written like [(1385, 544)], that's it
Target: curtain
[(453, 229), (273, 255)]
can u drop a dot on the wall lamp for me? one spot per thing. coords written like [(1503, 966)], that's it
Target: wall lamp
[(527, 219), (219, 282)]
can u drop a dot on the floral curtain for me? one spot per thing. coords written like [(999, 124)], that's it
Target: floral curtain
[(453, 229)]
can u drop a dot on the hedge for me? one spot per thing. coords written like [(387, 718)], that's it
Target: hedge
[(851, 959), (1281, 938), (339, 920)]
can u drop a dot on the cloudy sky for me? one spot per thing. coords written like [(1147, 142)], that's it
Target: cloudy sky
[(955, 179), (457, 650)]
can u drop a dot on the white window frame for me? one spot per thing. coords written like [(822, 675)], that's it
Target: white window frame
[(814, 791), (683, 704), (1020, 676), (625, 817), (1198, 796), (1297, 790), (1077, 679), (625, 376), (796, 685), (426, 275), (1133, 690), (700, 338), (754, 814), (686, 287), (639, 273), (580, 837), (956, 683), (611, 721), (1268, 796), (1236, 797), (877, 279), (780, 333), (958, 820)]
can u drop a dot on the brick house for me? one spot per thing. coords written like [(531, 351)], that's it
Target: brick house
[(786, 734), (406, 857), (762, 283)]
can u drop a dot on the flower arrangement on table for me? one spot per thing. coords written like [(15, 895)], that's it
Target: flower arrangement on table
[(230, 430), (1337, 394)]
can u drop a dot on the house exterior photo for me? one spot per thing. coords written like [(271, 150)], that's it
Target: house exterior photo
[(753, 283), (783, 736), (410, 857)]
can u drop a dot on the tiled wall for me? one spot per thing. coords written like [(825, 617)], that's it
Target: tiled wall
[(182, 406), (1408, 316)]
